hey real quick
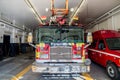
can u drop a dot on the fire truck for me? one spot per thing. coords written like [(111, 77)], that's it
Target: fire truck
[(61, 51), (105, 50)]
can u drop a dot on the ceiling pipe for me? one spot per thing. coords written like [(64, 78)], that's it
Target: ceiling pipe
[(76, 11), (34, 10), (104, 17)]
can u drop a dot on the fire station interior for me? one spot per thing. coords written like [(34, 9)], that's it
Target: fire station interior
[(59, 23)]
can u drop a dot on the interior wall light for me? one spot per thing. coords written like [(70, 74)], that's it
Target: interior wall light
[(34, 10), (76, 11)]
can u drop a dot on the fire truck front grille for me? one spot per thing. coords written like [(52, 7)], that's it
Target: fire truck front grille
[(60, 53)]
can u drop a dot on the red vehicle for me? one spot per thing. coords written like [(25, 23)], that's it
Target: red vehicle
[(105, 50), (60, 51)]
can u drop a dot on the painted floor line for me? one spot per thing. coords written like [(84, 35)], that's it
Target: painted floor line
[(87, 76), (20, 74)]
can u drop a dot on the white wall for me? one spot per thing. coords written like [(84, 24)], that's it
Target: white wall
[(1, 34), (14, 33), (112, 23), (24, 37)]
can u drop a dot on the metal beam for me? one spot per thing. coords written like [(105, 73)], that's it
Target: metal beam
[(55, 11), (15, 26)]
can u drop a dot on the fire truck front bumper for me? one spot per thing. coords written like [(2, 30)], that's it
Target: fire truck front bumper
[(60, 67)]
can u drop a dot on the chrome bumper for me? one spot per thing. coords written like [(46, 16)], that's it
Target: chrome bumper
[(60, 67)]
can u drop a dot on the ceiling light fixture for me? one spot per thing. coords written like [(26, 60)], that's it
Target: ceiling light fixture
[(46, 9), (72, 9), (76, 11), (34, 10)]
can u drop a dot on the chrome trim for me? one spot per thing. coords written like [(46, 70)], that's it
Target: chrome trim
[(42, 61), (46, 67)]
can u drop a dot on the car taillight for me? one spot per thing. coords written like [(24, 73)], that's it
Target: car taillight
[(42, 51)]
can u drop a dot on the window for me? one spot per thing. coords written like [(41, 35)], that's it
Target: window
[(101, 45), (66, 35), (113, 43)]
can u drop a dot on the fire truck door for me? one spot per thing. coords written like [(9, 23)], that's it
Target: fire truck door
[(93, 53)]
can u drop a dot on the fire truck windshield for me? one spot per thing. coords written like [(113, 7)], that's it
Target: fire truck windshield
[(61, 35), (113, 43)]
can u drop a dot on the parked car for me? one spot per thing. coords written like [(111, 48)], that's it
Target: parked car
[(105, 50)]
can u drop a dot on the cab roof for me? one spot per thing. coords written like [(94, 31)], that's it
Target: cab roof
[(105, 34)]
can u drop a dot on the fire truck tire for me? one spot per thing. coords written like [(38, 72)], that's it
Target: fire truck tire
[(112, 71)]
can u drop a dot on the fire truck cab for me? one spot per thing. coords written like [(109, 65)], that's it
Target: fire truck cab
[(105, 50), (60, 50)]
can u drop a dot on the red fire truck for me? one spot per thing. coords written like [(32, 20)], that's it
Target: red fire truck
[(105, 50), (61, 51)]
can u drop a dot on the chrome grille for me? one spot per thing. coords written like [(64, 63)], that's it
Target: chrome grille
[(60, 53)]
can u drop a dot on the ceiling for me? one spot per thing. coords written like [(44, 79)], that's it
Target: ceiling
[(19, 11)]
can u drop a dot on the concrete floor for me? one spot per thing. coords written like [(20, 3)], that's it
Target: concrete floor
[(98, 72), (12, 66)]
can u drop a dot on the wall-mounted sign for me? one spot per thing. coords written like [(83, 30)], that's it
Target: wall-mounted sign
[(2, 25)]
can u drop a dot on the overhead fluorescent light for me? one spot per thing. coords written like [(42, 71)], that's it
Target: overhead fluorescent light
[(77, 10), (34, 10)]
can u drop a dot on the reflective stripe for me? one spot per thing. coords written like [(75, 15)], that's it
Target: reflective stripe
[(105, 53)]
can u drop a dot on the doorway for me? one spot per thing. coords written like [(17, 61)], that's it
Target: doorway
[(6, 45), (20, 42)]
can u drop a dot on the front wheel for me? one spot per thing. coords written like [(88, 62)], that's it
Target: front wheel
[(113, 72)]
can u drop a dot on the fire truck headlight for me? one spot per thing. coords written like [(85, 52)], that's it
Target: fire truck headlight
[(87, 62)]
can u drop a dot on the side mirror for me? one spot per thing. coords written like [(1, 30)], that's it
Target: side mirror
[(89, 37), (30, 38)]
